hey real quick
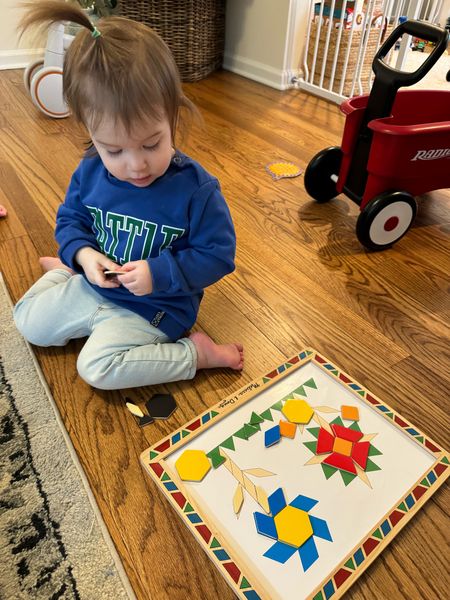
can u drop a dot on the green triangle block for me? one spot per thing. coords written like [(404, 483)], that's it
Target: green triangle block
[(249, 430), (229, 444), (419, 438), (188, 508), (314, 431), (371, 466), (378, 534), (338, 421), (165, 477), (425, 482), (215, 457), (350, 564), (277, 405), (335, 372), (328, 471), (153, 454), (267, 415), (402, 507), (244, 584), (241, 434), (215, 543), (311, 383), (361, 393), (355, 426), (288, 365), (185, 433), (213, 414), (255, 419), (318, 596), (445, 460), (390, 415), (300, 390), (373, 451), (311, 446), (266, 379), (347, 477)]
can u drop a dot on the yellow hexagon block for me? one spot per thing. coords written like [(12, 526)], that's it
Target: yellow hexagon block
[(293, 526), (297, 411), (192, 465)]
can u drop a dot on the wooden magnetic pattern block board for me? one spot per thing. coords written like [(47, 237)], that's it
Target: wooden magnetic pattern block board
[(345, 484)]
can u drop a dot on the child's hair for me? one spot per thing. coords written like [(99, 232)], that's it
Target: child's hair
[(120, 68)]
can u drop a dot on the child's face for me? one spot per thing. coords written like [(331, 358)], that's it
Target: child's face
[(138, 157)]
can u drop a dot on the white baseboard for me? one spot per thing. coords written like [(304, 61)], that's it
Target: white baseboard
[(19, 59), (252, 69)]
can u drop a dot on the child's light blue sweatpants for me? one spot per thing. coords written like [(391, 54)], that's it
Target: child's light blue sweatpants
[(123, 350)]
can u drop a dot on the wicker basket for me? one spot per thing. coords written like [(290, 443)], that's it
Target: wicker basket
[(366, 69), (194, 30)]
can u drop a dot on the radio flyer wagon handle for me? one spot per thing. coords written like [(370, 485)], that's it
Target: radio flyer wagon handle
[(420, 29), (388, 80), (382, 96)]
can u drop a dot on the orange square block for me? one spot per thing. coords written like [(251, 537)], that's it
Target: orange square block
[(287, 429), (342, 446), (350, 412)]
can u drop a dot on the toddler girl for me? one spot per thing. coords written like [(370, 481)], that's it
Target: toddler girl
[(135, 206)]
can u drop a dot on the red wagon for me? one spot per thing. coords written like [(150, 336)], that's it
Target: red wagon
[(396, 145)]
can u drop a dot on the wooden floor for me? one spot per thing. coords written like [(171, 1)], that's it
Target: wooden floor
[(302, 279)]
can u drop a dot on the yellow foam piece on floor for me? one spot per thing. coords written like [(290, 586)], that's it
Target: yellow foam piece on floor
[(278, 170), (192, 465)]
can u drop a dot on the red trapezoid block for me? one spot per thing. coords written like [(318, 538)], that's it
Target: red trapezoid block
[(341, 576), (157, 468), (419, 491), (431, 446), (371, 399), (204, 532), (369, 545), (163, 446), (343, 378), (360, 452), (233, 571), (395, 517), (340, 462), (345, 433), (439, 469), (272, 374), (179, 499), (400, 421), (325, 441), (320, 359), (294, 360), (195, 425)]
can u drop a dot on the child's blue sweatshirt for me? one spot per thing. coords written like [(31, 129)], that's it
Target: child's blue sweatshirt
[(180, 224)]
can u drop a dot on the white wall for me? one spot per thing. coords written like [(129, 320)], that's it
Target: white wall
[(11, 55), (263, 39)]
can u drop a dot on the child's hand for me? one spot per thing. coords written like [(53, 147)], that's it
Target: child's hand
[(94, 264), (138, 279)]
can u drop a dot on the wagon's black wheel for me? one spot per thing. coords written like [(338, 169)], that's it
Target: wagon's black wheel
[(321, 174), (385, 219)]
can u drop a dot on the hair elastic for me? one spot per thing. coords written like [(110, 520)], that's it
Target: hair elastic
[(95, 33)]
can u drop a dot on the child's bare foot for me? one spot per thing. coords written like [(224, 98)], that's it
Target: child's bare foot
[(212, 355), (48, 263), (3, 211)]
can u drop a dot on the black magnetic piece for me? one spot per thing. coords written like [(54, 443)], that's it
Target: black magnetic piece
[(161, 406)]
